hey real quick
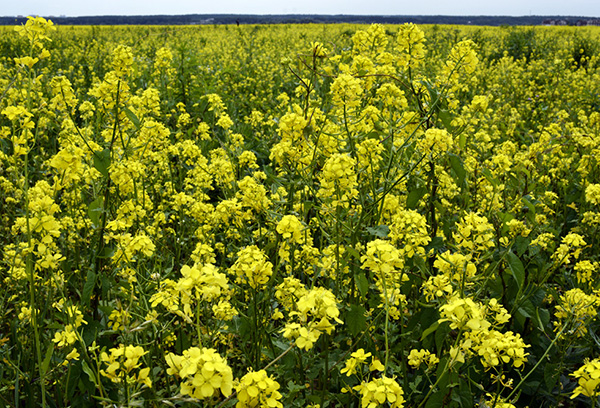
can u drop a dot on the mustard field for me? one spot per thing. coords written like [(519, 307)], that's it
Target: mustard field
[(299, 216)]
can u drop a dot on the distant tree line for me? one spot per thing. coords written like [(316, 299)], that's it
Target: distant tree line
[(300, 19)]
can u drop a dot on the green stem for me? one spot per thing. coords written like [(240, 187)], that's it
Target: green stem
[(29, 265), (387, 320), (325, 372), (539, 361), (439, 377), (257, 336), (97, 259)]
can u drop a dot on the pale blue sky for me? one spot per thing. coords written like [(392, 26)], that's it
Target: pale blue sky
[(365, 7)]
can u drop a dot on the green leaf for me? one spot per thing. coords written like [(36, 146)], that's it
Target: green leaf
[(436, 400), (380, 231), (463, 395), (530, 206), (490, 177), (430, 329), (414, 196), (362, 284), (459, 169), (415, 384), (356, 319), (543, 318), (86, 369), (88, 288), (530, 209), (47, 358), (132, 117), (441, 335), (107, 252), (102, 161), (95, 210), (516, 268), (462, 141), (551, 373), (527, 309), (446, 118), (437, 243), (353, 253), (521, 245)]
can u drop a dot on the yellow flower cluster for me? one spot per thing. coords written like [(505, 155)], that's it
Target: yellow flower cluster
[(496, 348), (119, 319), (315, 313), (199, 283), (289, 291), (478, 323), (121, 363), (592, 194), (496, 402), (571, 245), (437, 287), (21, 118), (576, 309), (411, 45), (258, 389), (386, 262), (586, 271), (418, 357), (204, 373), (252, 267), (346, 91), (464, 314), (66, 337), (291, 229), (409, 232), (371, 181), (462, 60), (588, 379), (379, 391), (36, 30), (357, 359), (435, 142), (474, 233), (455, 266), (382, 258), (338, 181)]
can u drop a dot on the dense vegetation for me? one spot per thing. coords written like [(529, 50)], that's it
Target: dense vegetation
[(318, 215)]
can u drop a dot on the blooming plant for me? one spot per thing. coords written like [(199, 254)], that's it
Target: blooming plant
[(299, 216)]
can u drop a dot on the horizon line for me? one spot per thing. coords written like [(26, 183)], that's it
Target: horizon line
[(300, 14)]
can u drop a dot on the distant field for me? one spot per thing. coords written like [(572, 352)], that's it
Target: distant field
[(315, 215)]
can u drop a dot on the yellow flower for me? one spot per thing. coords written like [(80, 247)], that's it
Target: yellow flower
[(203, 371), (252, 267), (418, 357), (379, 391), (291, 229), (121, 363), (580, 308), (464, 314), (14, 112), (588, 379), (356, 360), (26, 61), (73, 355), (346, 91), (411, 43), (592, 194), (257, 389), (122, 60), (66, 337)]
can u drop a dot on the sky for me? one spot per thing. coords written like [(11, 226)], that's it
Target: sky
[(590, 8)]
